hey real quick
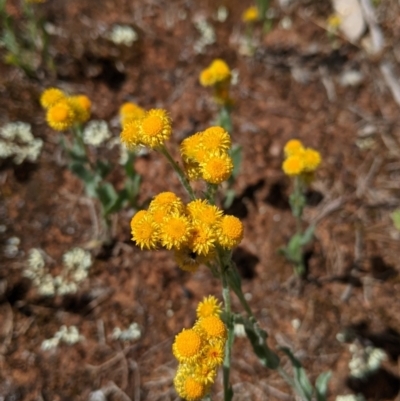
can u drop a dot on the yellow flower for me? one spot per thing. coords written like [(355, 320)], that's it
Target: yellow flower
[(188, 346), (189, 261), (216, 167), (212, 327), (192, 170), (201, 211), (207, 77), (210, 306), (189, 385), (213, 354), (216, 139), (175, 231), (203, 371), (230, 231), (167, 201), (51, 96), (202, 239), (60, 116), (130, 135), (81, 105), (218, 72), (154, 128), (311, 160), (190, 146), (293, 165), (144, 230), (130, 111), (292, 147), (250, 14), (334, 22)]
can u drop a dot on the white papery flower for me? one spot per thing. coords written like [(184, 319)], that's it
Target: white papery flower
[(19, 142), (96, 132), (122, 35)]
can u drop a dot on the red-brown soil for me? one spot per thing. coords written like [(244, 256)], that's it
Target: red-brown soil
[(353, 264)]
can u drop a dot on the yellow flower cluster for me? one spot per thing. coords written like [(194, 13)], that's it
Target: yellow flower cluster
[(144, 128), (205, 155), (218, 72), (200, 351), (192, 231), (300, 160), (250, 14), (64, 111)]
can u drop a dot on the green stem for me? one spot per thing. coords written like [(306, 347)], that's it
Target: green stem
[(298, 207), (228, 345), (178, 171)]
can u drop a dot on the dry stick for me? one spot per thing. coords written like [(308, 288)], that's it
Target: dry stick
[(8, 328), (362, 184), (100, 331), (275, 392), (134, 367), (357, 259), (378, 41), (112, 389)]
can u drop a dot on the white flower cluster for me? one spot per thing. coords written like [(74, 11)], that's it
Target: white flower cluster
[(96, 132), (122, 35), (68, 335), (207, 35), (11, 249), (131, 333), (17, 141), (365, 361), (76, 263)]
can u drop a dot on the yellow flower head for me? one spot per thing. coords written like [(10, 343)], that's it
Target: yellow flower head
[(207, 77), (175, 231), (204, 371), (192, 170), (210, 306), (154, 128), (130, 111), (201, 211), (190, 146), (202, 239), (213, 354), (212, 327), (216, 73), (230, 231), (250, 14), (167, 201), (189, 385), (189, 261), (292, 147), (188, 346), (60, 116), (311, 159), (144, 230), (216, 167), (216, 139), (81, 105), (293, 165), (130, 135), (220, 70), (51, 96), (334, 22)]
